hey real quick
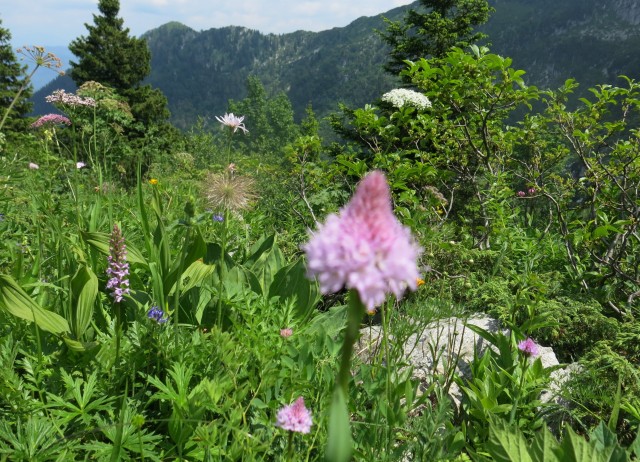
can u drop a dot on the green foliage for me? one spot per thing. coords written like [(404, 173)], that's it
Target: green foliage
[(109, 56), (585, 164), (508, 444), (433, 30), (269, 120), (504, 385)]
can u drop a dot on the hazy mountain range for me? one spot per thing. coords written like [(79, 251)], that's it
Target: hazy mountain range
[(552, 40)]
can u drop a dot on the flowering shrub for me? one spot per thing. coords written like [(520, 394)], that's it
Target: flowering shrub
[(401, 97)]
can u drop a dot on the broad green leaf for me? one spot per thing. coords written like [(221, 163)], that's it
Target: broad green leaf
[(576, 449), (260, 248), (196, 249), (16, 301), (544, 446), (291, 281), (507, 444), (194, 275), (203, 301), (252, 279), (80, 347), (84, 286), (605, 442), (157, 286), (214, 255)]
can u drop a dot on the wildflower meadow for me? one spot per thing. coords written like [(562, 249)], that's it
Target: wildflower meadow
[(223, 295)]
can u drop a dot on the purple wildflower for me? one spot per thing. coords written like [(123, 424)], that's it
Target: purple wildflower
[(69, 99), (118, 269), (51, 119), (157, 315), (521, 194), (529, 348), (365, 247), (532, 191), (233, 122), (217, 217), (295, 417)]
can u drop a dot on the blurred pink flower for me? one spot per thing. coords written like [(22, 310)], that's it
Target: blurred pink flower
[(365, 247), (532, 191), (286, 332), (529, 348), (521, 194), (295, 417), (233, 122), (33, 166)]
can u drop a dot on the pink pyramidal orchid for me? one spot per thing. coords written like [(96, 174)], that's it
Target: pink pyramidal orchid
[(295, 417), (233, 122), (365, 247)]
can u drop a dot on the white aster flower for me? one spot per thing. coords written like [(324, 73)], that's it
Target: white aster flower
[(400, 97), (233, 122)]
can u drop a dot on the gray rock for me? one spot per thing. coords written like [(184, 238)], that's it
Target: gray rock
[(448, 346)]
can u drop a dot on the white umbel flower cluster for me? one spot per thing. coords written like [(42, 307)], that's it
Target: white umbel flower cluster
[(403, 97)]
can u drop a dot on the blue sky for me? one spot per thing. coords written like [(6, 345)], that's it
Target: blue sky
[(57, 22)]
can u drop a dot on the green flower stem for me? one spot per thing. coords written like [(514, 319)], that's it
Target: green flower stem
[(355, 312), (118, 310), (176, 302), (290, 447), (524, 363), (222, 268), (385, 343)]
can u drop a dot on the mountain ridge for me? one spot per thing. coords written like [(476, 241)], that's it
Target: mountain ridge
[(199, 71)]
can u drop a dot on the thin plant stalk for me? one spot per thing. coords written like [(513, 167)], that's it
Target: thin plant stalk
[(222, 272), (24, 85), (384, 312), (355, 313)]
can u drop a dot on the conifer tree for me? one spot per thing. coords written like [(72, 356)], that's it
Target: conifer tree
[(110, 56), (433, 29), (12, 79)]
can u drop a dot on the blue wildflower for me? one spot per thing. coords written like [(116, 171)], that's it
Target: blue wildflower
[(157, 315)]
